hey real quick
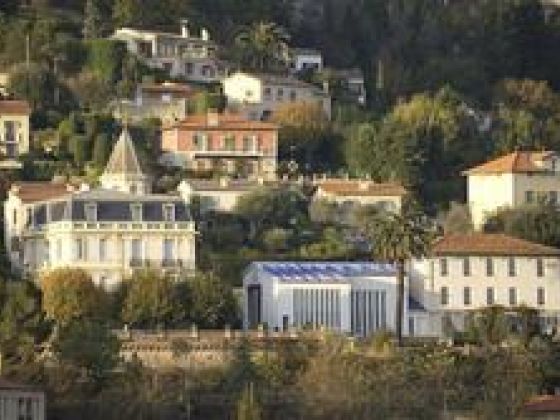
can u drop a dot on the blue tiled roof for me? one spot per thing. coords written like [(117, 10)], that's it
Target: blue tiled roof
[(323, 270)]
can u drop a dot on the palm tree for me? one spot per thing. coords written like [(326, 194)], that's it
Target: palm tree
[(398, 238), (262, 46)]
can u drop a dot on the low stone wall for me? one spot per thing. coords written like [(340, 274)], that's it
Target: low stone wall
[(199, 349)]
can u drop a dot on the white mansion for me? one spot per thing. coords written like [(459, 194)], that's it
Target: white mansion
[(109, 231)]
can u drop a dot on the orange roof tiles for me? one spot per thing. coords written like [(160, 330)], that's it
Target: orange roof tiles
[(29, 192), (224, 122), (342, 187), (516, 162), (543, 404), (12, 107), (489, 244)]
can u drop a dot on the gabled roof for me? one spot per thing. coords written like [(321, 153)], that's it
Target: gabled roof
[(361, 188), (123, 159), (491, 244), (30, 192), (516, 162), (13, 107), (231, 122)]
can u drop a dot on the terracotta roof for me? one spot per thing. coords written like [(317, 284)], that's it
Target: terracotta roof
[(489, 244), (516, 162), (11, 107), (224, 122), (543, 404), (362, 188), (29, 192)]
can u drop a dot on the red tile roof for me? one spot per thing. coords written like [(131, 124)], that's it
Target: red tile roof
[(489, 244), (12, 107), (543, 404), (362, 188), (29, 192), (516, 162), (224, 122)]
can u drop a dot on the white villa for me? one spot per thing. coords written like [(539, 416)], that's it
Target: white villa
[(472, 271), (513, 180), (14, 131), (181, 55), (351, 192), (108, 231), (259, 95), (354, 298)]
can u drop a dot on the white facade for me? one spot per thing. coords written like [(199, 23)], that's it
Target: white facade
[(303, 59), (453, 285), (14, 131), (181, 55), (221, 195), (258, 96), (353, 298), (109, 233), (511, 181), (21, 402)]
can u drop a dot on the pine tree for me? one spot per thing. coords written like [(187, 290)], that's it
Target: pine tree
[(92, 20)]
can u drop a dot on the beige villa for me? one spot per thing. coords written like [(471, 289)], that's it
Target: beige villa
[(519, 178)]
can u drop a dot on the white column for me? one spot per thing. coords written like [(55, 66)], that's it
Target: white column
[(345, 310)]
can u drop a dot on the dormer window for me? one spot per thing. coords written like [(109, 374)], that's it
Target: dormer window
[(169, 212), (136, 212), (91, 212)]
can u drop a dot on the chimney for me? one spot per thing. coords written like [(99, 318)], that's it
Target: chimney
[(212, 118), (204, 34), (185, 28)]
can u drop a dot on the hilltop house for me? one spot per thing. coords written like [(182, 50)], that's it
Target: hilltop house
[(471, 271), (166, 101), (516, 179), (349, 193), (219, 195), (108, 231), (14, 131), (222, 143), (259, 95), (180, 55)]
